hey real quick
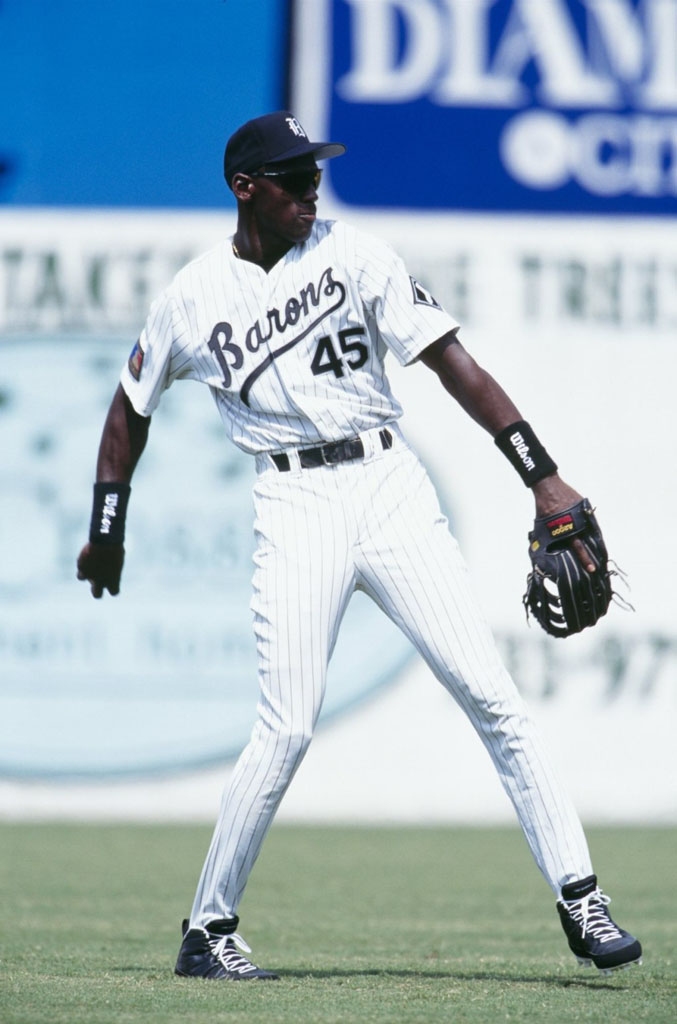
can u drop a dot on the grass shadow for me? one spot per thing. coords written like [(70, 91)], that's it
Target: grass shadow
[(332, 973)]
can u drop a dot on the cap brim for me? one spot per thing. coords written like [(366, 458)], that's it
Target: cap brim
[(319, 150)]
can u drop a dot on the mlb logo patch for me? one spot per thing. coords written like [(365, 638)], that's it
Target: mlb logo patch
[(422, 296), (135, 361)]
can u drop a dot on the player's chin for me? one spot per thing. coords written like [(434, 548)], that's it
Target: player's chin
[(304, 225)]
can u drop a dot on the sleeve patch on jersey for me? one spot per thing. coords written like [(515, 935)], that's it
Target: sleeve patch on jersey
[(135, 361), (422, 296)]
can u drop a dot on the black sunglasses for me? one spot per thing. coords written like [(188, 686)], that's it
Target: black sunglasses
[(296, 183)]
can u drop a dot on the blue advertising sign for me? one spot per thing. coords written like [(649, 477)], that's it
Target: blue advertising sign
[(501, 105)]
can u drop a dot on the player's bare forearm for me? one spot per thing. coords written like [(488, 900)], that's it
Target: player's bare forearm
[(485, 400), (474, 389), (124, 437)]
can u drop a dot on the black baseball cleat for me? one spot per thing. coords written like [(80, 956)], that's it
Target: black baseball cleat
[(593, 937), (212, 952)]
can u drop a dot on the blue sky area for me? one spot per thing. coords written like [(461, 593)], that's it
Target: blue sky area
[(121, 103)]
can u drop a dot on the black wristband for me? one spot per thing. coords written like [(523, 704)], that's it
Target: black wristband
[(526, 453), (108, 513)]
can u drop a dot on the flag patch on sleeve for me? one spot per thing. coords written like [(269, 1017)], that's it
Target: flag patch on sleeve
[(135, 361), (422, 296)]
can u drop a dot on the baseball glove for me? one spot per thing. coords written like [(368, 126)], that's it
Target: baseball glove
[(561, 594)]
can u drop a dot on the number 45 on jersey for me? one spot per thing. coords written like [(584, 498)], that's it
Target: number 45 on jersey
[(333, 357)]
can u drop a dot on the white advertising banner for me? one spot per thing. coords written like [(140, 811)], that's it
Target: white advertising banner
[(136, 706)]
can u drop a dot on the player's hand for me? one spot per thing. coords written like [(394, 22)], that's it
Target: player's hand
[(552, 495), (101, 566)]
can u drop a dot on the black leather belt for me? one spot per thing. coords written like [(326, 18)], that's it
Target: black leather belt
[(330, 454)]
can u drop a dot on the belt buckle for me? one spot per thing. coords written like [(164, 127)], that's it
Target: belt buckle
[(342, 451), (330, 449)]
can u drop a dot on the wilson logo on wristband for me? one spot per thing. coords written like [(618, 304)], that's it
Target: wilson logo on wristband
[(110, 504), (525, 452), (522, 449), (107, 524)]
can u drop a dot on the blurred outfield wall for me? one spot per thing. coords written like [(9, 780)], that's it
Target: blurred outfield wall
[(466, 128)]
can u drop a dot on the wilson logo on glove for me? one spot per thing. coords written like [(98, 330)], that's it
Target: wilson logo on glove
[(563, 524)]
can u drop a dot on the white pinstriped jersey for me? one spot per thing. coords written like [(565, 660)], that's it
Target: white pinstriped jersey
[(294, 356)]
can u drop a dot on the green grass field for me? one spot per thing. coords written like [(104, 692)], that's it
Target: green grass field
[(363, 924)]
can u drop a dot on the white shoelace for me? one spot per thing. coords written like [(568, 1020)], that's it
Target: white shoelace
[(224, 950), (591, 914)]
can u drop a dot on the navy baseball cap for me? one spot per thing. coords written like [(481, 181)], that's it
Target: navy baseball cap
[(272, 139)]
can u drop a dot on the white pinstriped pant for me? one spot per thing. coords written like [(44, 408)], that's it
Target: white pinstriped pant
[(375, 525)]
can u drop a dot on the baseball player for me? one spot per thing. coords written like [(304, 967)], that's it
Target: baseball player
[(288, 323)]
